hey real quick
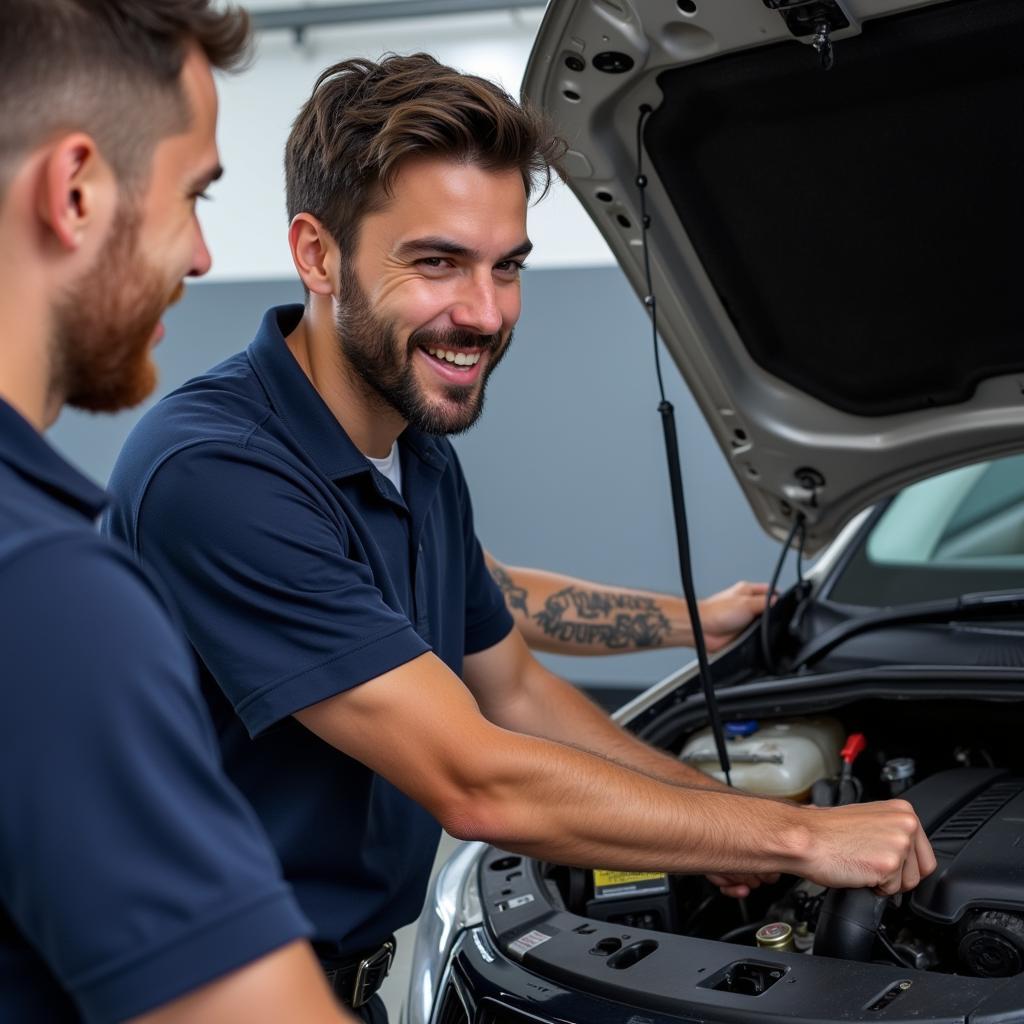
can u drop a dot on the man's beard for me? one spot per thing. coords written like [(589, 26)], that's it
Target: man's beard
[(104, 326), (373, 351)]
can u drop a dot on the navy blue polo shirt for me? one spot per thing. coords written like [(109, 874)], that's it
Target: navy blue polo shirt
[(131, 870), (301, 572)]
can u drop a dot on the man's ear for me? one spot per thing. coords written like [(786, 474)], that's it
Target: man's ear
[(315, 253), (77, 191)]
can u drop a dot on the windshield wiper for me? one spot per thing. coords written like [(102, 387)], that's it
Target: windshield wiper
[(966, 607)]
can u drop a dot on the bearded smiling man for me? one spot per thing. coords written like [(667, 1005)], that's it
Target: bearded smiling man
[(387, 370), (305, 509)]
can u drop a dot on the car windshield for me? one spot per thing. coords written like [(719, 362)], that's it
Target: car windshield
[(952, 534)]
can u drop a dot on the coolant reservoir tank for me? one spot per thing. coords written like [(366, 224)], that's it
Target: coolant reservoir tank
[(782, 758)]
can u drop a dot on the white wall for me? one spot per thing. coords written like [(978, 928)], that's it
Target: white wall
[(246, 223)]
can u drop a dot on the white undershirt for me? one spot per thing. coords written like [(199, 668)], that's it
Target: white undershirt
[(390, 466)]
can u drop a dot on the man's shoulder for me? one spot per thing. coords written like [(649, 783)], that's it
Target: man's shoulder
[(72, 564), (72, 597), (224, 404), (28, 516), (226, 408), (41, 526)]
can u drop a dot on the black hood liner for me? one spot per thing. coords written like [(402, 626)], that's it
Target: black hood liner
[(863, 227)]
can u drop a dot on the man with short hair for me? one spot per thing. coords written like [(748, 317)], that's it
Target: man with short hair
[(135, 882), (304, 506)]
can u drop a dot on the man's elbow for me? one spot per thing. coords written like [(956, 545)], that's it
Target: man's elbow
[(466, 824), (489, 810), (475, 816), (498, 827)]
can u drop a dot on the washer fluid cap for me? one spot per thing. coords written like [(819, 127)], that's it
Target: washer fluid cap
[(737, 729)]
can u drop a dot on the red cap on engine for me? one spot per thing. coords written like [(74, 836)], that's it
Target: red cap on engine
[(855, 744)]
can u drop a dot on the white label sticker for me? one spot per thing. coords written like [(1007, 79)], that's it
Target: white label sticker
[(527, 942), (520, 901)]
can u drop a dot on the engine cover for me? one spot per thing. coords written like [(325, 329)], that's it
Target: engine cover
[(975, 820)]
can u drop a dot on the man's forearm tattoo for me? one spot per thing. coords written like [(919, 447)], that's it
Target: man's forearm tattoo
[(614, 620), (515, 597)]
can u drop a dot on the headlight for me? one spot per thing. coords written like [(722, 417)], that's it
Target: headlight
[(456, 906)]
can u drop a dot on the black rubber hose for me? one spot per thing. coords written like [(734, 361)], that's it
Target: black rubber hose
[(748, 929), (848, 925)]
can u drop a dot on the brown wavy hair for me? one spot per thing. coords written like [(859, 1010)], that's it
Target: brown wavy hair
[(110, 68), (364, 120)]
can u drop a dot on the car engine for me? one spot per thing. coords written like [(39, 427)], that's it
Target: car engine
[(967, 918)]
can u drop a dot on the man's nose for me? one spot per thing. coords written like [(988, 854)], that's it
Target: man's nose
[(477, 308), (201, 258)]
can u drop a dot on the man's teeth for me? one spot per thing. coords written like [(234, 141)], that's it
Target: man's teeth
[(458, 358)]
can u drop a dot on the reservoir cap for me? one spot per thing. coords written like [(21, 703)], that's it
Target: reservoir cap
[(736, 730), (778, 936)]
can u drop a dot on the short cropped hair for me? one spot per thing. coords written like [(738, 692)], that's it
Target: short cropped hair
[(110, 68), (364, 120)]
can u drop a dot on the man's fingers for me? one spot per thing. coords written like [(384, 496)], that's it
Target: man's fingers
[(911, 872), (730, 885), (726, 614), (925, 854), (920, 861), (742, 881), (737, 892), (917, 857), (891, 884)]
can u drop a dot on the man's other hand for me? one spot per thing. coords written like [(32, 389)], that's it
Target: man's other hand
[(729, 612)]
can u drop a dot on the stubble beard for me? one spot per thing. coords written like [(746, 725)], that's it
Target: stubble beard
[(104, 325), (387, 374)]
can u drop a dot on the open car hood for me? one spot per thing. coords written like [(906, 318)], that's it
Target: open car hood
[(836, 254)]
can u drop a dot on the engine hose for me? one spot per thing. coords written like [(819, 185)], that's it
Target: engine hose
[(747, 929), (848, 924)]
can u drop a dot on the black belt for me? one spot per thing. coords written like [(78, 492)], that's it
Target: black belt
[(355, 980)]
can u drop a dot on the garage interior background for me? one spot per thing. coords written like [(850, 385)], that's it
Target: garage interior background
[(566, 466)]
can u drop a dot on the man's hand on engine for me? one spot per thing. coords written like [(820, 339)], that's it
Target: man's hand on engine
[(880, 846)]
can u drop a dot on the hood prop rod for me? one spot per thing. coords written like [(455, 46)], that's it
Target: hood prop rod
[(675, 476)]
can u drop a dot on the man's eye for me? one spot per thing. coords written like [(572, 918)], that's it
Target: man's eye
[(511, 266), (433, 261), (202, 195)]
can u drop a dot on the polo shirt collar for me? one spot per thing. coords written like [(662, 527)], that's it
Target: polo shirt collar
[(28, 453), (306, 414)]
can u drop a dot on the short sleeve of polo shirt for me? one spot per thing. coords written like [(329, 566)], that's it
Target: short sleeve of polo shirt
[(273, 594), (127, 859)]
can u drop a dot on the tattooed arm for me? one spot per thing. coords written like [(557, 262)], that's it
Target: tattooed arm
[(562, 615)]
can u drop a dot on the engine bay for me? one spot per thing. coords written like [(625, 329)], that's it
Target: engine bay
[(957, 762)]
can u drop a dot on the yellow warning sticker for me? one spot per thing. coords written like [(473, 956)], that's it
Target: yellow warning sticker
[(629, 883), (606, 878)]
